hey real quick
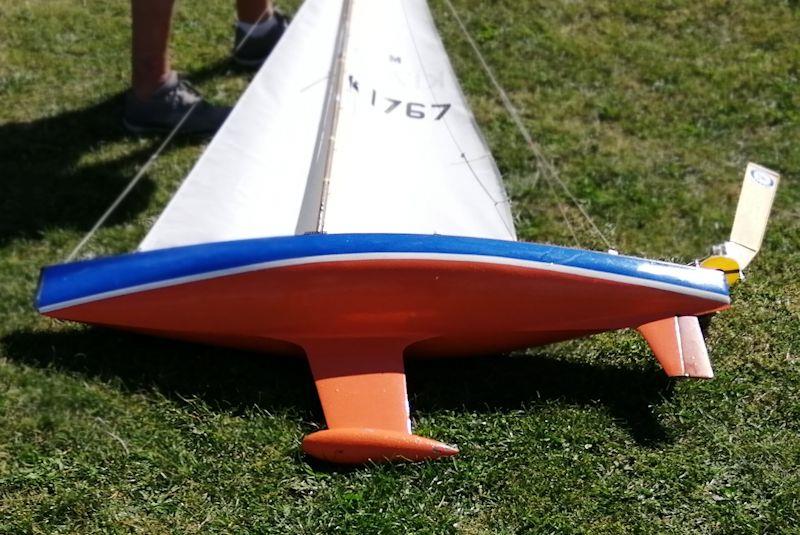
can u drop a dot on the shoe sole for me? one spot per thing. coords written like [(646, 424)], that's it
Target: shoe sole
[(134, 129), (249, 63), (140, 130)]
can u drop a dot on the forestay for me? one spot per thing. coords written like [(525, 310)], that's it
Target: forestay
[(402, 154)]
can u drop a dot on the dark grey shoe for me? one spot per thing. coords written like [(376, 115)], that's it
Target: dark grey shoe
[(251, 51), (168, 105)]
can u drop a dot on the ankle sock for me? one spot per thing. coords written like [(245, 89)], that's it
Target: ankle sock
[(258, 29)]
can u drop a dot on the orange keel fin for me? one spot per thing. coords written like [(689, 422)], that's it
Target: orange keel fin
[(357, 446), (679, 347), (362, 388)]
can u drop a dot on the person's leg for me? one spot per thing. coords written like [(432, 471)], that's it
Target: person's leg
[(253, 11), (150, 55), (159, 99), (257, 31)]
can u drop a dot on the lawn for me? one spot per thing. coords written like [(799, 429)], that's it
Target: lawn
[(649, 111)]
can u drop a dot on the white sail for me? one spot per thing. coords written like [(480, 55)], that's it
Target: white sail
[(356, 123), (251, 179), (407, 154)]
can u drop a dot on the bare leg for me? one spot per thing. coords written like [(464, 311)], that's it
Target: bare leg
[(252, 11), (150, 58)]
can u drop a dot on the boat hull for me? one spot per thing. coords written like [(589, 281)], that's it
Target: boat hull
[(442, 296), (357, 305)]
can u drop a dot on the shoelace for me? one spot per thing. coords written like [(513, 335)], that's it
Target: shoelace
[(177, 96)]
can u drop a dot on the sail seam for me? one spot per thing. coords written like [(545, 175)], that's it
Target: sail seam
[(450, 131)]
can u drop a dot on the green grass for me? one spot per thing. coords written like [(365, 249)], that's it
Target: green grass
[(650, 112)]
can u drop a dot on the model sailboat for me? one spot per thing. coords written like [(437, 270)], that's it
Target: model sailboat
[(350, 212)]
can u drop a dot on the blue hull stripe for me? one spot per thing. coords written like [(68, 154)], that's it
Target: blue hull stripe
[(79, 280)]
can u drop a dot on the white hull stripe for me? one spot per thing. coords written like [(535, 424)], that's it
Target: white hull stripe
[(444, 257)]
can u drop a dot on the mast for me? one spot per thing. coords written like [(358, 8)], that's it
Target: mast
[(312, 212)]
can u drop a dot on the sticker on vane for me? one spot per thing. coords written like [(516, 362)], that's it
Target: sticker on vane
[(763, 177)]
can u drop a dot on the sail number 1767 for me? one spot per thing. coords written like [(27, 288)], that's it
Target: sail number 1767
[(413, 110)]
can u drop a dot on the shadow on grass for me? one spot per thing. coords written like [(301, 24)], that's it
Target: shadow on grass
[(498, 384), (44, 185), (226, 379), (234, 380)]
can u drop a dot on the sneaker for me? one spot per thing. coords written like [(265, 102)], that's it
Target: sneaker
[(168, 106), (251, 50)]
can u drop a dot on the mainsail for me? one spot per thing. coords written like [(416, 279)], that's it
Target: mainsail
[(355, 124)]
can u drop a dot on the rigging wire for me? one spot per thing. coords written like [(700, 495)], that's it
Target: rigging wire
[(563, 212), (550, 172), (135, 180), (149, 163)]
